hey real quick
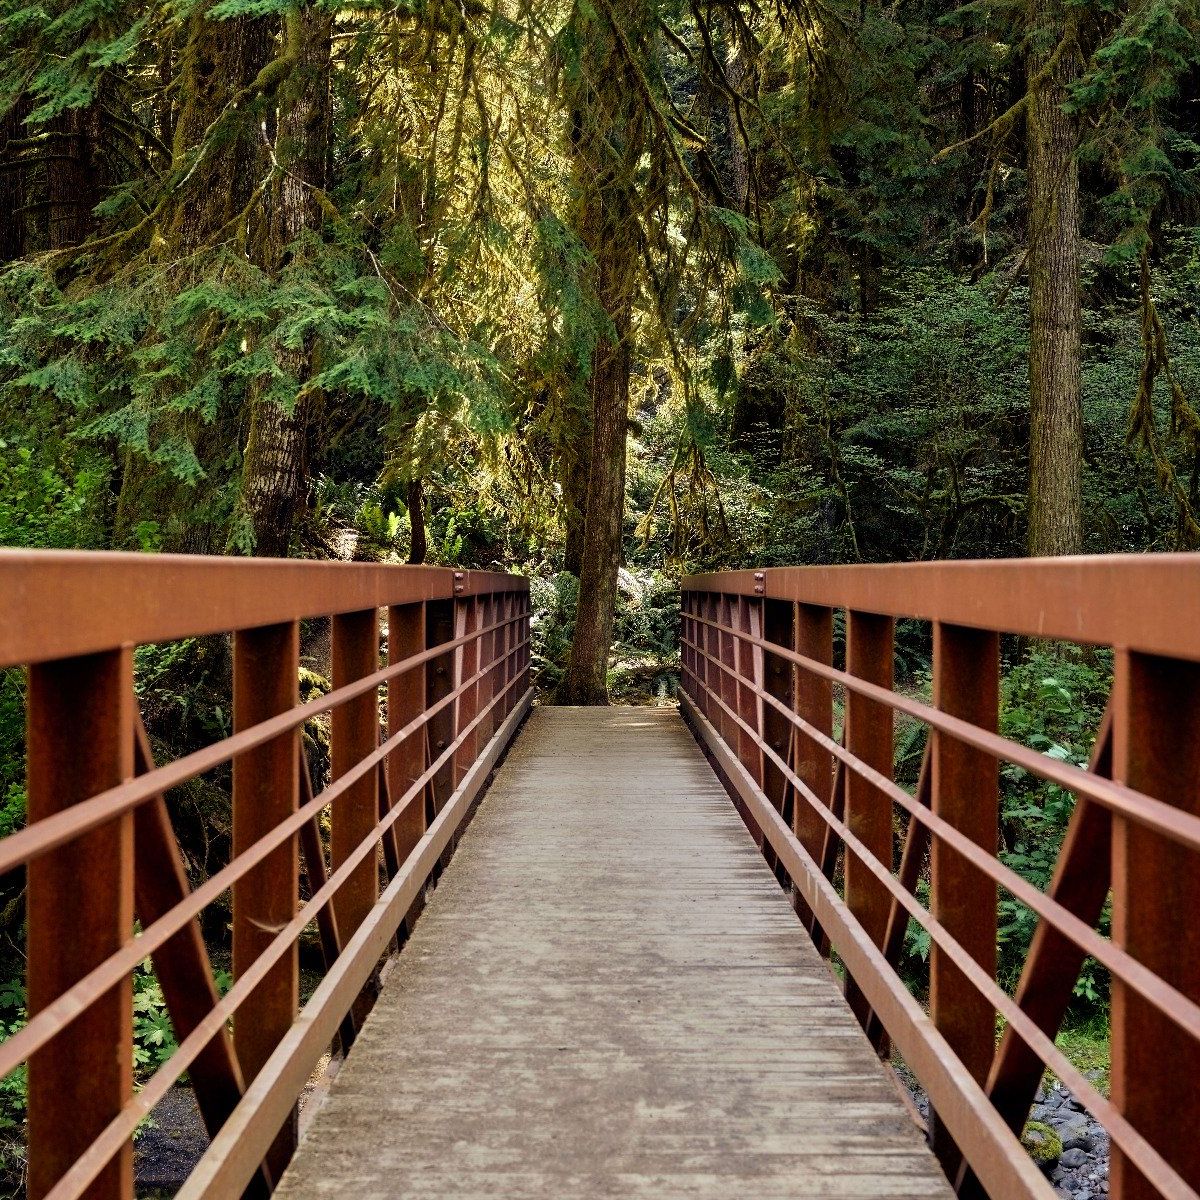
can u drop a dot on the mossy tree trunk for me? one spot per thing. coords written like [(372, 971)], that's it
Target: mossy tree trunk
[(1055, 388), (218, 147), (609, 133), (275, 464)]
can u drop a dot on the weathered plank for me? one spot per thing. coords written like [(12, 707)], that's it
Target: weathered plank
[(609, 995)]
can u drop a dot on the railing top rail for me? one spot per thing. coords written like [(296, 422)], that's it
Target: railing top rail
[(1149, 603), (59, 604)]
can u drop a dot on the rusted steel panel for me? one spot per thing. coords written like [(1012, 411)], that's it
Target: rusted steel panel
[(1146, 602), (966, 683), (266, 791), (63, 603), (1156, 899), (354, 734), (79, 911)]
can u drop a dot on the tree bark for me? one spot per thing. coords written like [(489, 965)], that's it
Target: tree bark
[(275, 465), (576, 470), (217, 148), (1055, 387), (586, 680), (609, 132), (418, 547), (13, 183), (73, 177)]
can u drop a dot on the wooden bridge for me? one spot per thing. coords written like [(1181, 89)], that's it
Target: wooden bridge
[(656, 957)]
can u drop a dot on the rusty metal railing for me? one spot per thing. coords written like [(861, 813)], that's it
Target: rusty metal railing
[(98, 849), (759, 691)]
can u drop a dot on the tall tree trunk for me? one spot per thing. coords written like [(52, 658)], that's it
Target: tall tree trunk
[(1055, 389), (217, 149), (275, 465), (418, 547), (586, 680), (13, 183), (576, 472), (73, 176), (609, 133)]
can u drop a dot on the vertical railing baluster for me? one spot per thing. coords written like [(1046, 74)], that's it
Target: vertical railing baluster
[(466, 707), (406, 702), (814, 704), (353, 735), (266, 783), (488, 689), (728, 689), (777, 729), (870, 739), (966, 684), (1156, 899), (507, 671), (712, 672), (439, 683), (749, 660), (80, 910)]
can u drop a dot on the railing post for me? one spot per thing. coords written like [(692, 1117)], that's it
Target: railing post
[(467, 664), (870, 739), (508, 639), (266, 785), (80, 910), (749, 660), (353, 735), (966, 684), (687, 633), (1156, 899), (439, 683), (406, 702), (814, 704), (714, 611), (778, 675), (488, 615)]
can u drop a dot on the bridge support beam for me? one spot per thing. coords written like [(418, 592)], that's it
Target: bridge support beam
[(266, 788), (406, 702), (80, 743), (870, 739), (966, 684), (1156, 898), (813, 702)]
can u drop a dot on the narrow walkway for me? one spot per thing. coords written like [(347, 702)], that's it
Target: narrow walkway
[(609, 996)]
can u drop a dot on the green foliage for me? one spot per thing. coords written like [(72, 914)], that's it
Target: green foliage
[(1053, 702)]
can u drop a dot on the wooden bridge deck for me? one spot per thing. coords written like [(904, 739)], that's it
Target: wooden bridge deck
[(609, 996)]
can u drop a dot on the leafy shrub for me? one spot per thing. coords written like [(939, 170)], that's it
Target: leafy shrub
[(1052, 701)]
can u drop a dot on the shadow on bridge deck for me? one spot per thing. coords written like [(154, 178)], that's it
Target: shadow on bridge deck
[(609, 995)]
